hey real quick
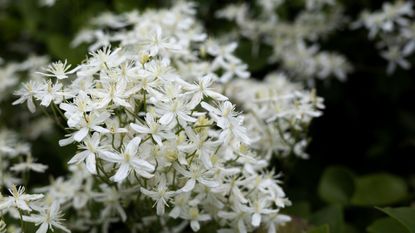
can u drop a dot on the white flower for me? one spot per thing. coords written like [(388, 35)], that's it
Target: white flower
[(258, 209), (157, 131), (91, 149), (58, 69), (227, 119), (89, 122), (203, 89), (223, 54), (49, 92), (128, 160), (275, 220), (112, 92), (47, 219), (155, 42), (195, 217), (161, 195), (395, 57), (234, 70), (200, 146), (75, 111), (26, 93), (175, 109), (196, 174), (29, 165), (19, 199), (237, 216)]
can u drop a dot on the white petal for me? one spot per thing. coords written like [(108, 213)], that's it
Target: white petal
[(216, 95), (175, 212), (57, 225), (190, 184), (241, 226), (139, 128), (209, 183), (81, 134), (31, 106), (132, 146), (22, 205), (79, 157), (186, 117), (110, 157), (142, 164), (166, 118), (122, 172), (91, 163), (256, 219), (160, 208), (43, 228), (206, 160), (157, 139), (65, 141), (194, 225)]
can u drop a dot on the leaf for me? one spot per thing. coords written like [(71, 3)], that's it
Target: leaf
[(320, 229), (379, 189), (404, 215), (331, 215), (336, 185), (386, 225)]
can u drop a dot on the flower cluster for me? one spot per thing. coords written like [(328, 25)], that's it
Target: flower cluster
[(15, 167), (224, 63), (151, 136), (277, 113), (169, 32), (10, 73), (15, 158), (21, 205), (160, 143), (394, 28), (295, 44)]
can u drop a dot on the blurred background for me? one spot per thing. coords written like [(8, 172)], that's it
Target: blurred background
[(367, 129)]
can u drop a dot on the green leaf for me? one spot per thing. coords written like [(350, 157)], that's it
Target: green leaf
[(320, 229), (336, 185), (386, 225), (379, 189), (404, 215), (331, 215)]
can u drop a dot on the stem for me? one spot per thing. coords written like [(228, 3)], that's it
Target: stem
[(22, 225)]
